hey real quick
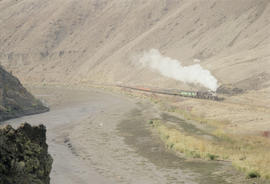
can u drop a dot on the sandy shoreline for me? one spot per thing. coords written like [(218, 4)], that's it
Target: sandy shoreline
[(98, 137)]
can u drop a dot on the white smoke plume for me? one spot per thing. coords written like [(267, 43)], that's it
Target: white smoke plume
[(172, 68)]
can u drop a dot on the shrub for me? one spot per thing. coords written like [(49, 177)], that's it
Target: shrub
[(253, 174)]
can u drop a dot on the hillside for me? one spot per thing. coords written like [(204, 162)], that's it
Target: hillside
[(15, 100), (101, 41)]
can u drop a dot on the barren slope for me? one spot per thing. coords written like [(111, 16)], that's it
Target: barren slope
[(99, 41)]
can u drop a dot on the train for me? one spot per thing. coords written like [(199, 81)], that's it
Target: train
[(208, 95)]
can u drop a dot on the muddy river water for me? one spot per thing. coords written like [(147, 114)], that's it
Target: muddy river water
[(98, 137)]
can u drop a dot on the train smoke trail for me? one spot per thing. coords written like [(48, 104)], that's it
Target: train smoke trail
[(172, 68)]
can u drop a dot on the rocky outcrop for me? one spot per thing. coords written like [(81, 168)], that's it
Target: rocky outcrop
[(24, 157), (15, 100)]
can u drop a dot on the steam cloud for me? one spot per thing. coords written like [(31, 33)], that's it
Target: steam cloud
[(172, 68)]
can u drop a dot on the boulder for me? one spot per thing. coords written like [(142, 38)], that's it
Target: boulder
[(24, 157)]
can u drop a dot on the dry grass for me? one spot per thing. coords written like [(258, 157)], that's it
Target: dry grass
[(249, 154)]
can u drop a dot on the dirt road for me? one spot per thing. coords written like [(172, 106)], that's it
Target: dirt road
[(102, 138)]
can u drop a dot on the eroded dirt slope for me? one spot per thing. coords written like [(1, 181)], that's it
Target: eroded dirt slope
[(99, 41)]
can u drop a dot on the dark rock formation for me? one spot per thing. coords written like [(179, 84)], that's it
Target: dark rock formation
[(24, 157), (15, 100)]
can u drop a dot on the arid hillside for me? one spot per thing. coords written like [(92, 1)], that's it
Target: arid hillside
[(100, 41)]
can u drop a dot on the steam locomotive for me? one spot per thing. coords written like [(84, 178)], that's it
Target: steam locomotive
[(209, 95)]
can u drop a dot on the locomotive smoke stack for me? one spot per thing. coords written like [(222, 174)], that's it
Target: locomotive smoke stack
[(173, 68)]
